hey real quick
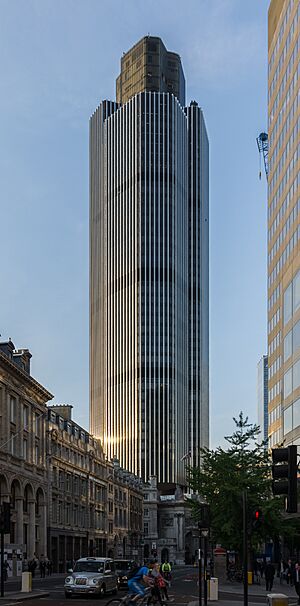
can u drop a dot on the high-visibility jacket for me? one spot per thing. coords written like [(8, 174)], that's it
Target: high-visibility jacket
[(166, 567)]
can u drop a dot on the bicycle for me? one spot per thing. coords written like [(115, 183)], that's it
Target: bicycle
[(130, 598)]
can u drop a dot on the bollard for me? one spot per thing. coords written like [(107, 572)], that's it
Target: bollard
[(26, 582), (277, 599), (213, 589)]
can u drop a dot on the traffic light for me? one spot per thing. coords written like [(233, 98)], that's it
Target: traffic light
[(204, 516), (257, 519), (5, 518), (284, 475)]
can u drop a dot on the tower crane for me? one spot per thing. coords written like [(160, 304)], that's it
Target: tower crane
[(263, 148)]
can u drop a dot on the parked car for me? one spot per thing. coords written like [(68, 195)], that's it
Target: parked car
[(95, 576), (122, 568)]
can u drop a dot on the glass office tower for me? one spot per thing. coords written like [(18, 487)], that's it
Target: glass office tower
[(149, 366), (284, 223), (262, 398)]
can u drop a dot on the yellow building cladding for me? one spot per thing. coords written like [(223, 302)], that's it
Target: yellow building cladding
[(284, 222)]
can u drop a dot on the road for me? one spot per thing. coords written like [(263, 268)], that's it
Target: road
[(184, 590)]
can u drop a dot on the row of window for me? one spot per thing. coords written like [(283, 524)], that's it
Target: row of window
[(291, 417), (69, 514), (284, 52), (275, 391), (284, 256), (281, 33), (274, 367), (274, 415), (285, 230), (291, 379), (275, 438), (29, 455), (76, 458), (284, 130), (287, 172), (284, 207), (274, 296), (291, 298), (285, 76), (120, 517), (284, 154), (36, 417), (274, 321), (291, 342), (274, 343), (284, 182), (68, 426)]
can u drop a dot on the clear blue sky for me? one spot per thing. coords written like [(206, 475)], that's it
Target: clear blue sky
[(58, 60)]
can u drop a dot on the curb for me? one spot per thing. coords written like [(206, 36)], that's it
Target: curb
[(20, 597)]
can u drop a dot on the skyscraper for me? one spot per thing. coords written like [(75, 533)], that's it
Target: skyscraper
[(262, 397), (149, 268), (284, 223)]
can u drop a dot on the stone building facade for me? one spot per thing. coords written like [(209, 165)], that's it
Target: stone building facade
[(95, 507), (67, 500), (169, 530), (23, 472)]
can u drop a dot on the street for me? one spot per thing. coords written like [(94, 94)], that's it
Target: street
[(184, 590)]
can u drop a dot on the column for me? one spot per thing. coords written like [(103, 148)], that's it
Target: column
[(19, 521), (43, 529), (31, 529)]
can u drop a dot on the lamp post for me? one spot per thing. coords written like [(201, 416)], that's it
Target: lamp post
[(205, 534), (200, 566), (203, 525)]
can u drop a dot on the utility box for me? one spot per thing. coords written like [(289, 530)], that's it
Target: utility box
[(213, 589), (250, 577), (277, 599), (26, 582)]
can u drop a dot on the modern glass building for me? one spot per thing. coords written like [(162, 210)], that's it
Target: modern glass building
[(262, 397), (284, 223), (149, 367)]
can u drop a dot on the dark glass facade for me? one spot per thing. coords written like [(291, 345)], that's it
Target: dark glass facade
[(149, 283)]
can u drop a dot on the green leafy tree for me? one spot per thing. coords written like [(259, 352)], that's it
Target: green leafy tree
[(221, 480)]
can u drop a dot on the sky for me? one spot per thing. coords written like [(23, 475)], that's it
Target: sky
[(58, 60)]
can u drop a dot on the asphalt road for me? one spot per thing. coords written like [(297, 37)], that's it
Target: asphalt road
[(184, 589)]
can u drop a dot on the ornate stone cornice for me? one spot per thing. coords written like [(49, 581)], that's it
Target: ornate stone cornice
[(22, 380)]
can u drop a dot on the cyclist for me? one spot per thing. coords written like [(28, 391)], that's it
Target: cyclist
[(166, 570), (159, 591), (136, 584)]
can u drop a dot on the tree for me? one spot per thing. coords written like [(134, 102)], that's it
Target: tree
[(221, 480)]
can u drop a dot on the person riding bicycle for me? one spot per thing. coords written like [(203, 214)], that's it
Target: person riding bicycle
[(166, 570), (135, 583), (159, 591)]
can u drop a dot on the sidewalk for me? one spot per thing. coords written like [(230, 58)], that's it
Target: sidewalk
[(14, 596), (257, 594), (238, 603), (258, 590)]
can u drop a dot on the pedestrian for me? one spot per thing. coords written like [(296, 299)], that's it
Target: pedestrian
[(290, 573), (297, 580), (32, 564), (281, 571), (262, 568), (6, 567), (42, 566), (269, 576)]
